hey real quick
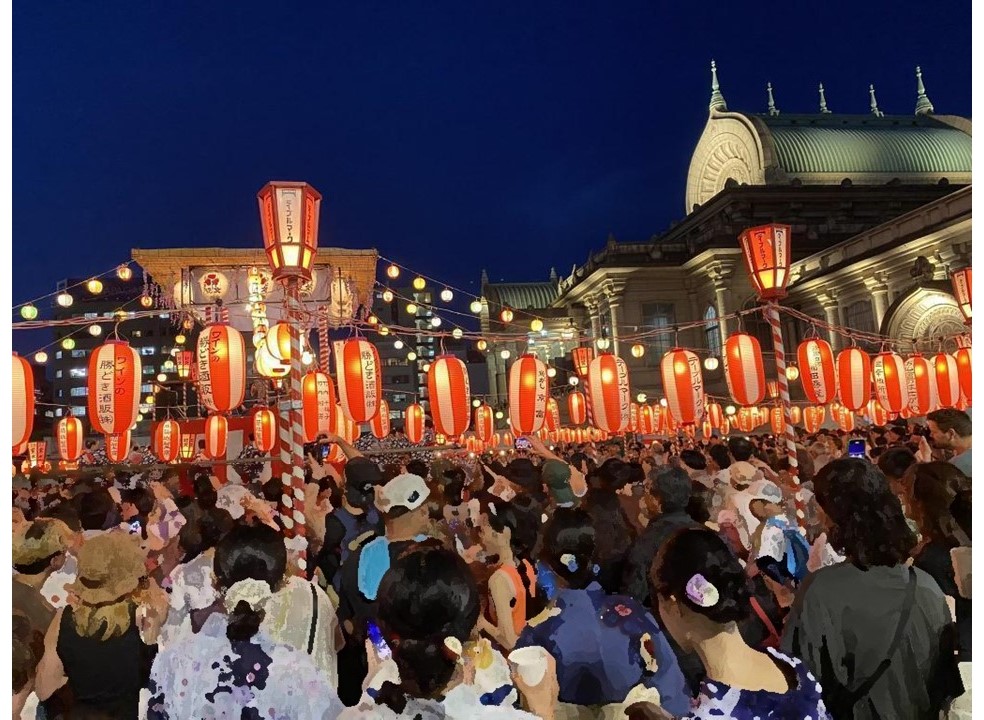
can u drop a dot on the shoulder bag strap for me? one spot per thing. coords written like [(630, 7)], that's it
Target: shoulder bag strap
[(314, 619), (773, 640)]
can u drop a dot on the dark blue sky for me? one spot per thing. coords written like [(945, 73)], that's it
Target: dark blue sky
[(451, 136)]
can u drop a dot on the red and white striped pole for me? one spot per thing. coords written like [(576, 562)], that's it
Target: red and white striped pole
[(772, 316), (292, 432), (324, 346)]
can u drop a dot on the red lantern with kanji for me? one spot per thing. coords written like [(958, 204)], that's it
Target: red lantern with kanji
[(715, 415), (221, 361), (845, 419), (947, 380), (380, 424), (767, 256), (962, 287), (449, 394), (216, 437), (581, 358), (167, 440), (529, 388), (854, 378), (577, 407), (118, 447), (114, 387), (888, 371), (608, 390), (360, 382), (344, 426), (726, 427), (877, 415), (746, 419), (484, 422), (813, 417), (683, 382), (187, 446), (185, 361), (647, 424), (23, 401), (71, 438), (289, 216), (744, 369), (264, 429), (553, 415), (778, 421), (319, 405), (920, 385), (507, 439), (818, 374), (965, 372), (413, 423)]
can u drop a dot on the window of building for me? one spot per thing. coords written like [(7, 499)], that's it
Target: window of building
[(61, 393), (147, 388), (79, 353), (58, 412), (78, 410), (399, 398), (77, 372), (91, 316), (79, 391), (860, 316), (400, 380), (712, 331), (659, 315), (58, 355), (392, 361), (58, 373), (137, 333), (149, 350), (149, 369)]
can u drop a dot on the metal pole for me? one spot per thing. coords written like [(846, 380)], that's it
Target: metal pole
[(292, 432), (772, 316)]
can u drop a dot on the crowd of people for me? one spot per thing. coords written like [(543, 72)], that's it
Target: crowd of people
[(631, 578)]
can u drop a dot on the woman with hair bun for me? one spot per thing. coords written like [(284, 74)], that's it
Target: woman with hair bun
[(702, 594), (232, 668)]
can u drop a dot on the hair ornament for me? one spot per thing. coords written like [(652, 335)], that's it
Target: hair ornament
[(702, 592), (251, 591), (569, 561)]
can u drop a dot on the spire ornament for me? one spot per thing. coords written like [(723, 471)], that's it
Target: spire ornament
[(874, 103), (923, 105), (823, 102), (773, 110), (717, 99)]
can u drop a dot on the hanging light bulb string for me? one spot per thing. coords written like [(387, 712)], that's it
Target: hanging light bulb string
[(103, 274)]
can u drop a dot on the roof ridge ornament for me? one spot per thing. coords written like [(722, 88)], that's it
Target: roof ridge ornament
[(874, 103), (717, 99), (823, 102), (773, 110), (923, 104)]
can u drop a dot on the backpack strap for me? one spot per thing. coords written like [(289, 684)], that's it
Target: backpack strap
[(314, 619), (773, 640)]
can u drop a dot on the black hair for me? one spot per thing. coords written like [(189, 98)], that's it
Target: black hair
[(741, 449), (454, 485), (143, 500), (613, 474), (205, 495), (894, 462), (700, 551), (951, 419), (28, 649), (194, 538), (697, 506), (427, 595), (673, 488), (869, 525), (936, 486), (272, 490), (720, 455), (249, 551), (95, 508), (693, 459), (65, 512), (570, 532), (418, 467)]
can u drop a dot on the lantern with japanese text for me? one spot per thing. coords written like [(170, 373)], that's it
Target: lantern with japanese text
[(289, 215), (221, 361), (608, 390), (845, 419), (319, 405), (744, 369), (854, 378), (187, 446), (795, 414), (216, 437), (577, 407), (277, 342), (114, 387), (118, 447), (507, 439), (264, 429), (778, 421), (965, 372), (746, 419), (633, 418), (659, 419), (581, 357), (344, 426), (529, 388), (888, 371), (819, 376), (167, 440), (962, 287), (449, 394), (767, 256), (813, 417), (23, 401), (647, 424), (36, 454), (360, 383), (920, 385), (484, 422), (726, 427), (877, 415), (70, 437), (380, 423), (715, 415), (683, 382), (413, 423), (553, 415), (947, 380), (184, 360)]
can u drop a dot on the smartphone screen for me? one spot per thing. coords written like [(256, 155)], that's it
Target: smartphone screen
[(855, 449), (325, 449), (135, 527), (377, 640), (523, 443)]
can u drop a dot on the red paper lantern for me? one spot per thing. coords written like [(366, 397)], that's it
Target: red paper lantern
[(23, 401), (449, 394), (360, 383), (484, 422), (947, 380), (36, 453), (707, 430), (187, 446), (167, 440), (577, 407), (965, 372), (962, 287), (529, 388), (778, 421), (795, 414), (744, 369), (264, 429), (318, 405), (71, 438), (507, 439), (608, 390), (380, 424), (553, 415), (221, 361), (114, 387), (216, 437), (854, 378), (683, 382), (413, 423), (888, 371), (715, 415), (920, 385), (845, 419), (647, 424), (118, 447), (289, 216), (746, 419), (818, 374), (185, 362), (767, 257), (877, 415), (344, 426), (813, 417), (726, 427), (581, 357), (633, 418)]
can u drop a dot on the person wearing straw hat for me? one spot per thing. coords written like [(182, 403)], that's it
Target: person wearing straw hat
[(95, 645)]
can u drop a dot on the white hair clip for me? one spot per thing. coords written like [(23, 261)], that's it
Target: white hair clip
[(253, 592), (702, 592)]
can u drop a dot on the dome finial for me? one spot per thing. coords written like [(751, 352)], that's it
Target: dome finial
[(923, 105), (717, 99), (823, 101), (773, 110), (874, 103)]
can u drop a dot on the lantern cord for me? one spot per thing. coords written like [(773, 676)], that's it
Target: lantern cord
[(70, 287)]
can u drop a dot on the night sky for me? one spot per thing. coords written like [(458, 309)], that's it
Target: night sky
[(450, 136)]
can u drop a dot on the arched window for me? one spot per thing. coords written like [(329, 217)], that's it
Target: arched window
[(712, 331), (859, 316)]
